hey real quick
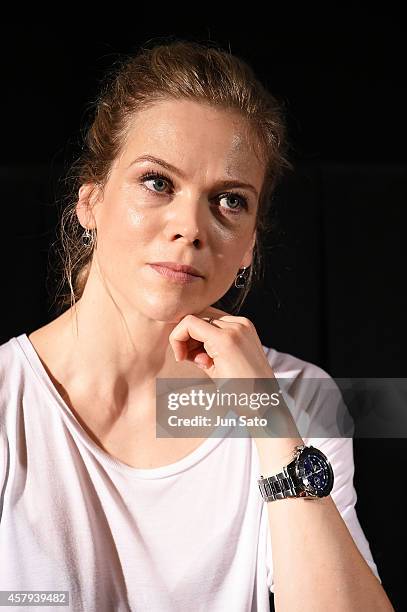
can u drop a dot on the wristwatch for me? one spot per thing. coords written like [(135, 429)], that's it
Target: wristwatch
[(309, 475)]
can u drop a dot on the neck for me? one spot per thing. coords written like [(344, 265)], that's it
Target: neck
[(117, 351)]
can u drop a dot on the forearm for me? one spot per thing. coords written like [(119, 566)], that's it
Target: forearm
[(317, 565)]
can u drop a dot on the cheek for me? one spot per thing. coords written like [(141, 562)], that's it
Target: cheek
[(125, 229), (229, 248)]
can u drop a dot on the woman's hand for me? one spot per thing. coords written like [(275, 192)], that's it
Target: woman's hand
[(229, 347)]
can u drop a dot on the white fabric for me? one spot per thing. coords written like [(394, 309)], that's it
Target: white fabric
[(192, 535)]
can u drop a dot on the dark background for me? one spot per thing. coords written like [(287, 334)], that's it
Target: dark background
[(335, 288)]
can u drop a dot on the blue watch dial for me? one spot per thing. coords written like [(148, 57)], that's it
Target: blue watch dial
[(315, 471)]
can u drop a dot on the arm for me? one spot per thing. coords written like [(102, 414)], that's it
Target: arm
[(311, 543), (317, 565)]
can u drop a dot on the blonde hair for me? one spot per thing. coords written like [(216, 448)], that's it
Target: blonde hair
[(178, 69)]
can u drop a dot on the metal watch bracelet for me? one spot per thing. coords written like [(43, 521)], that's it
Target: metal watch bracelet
[(281, 485)]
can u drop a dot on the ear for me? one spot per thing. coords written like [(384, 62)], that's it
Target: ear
[(87, 198), (248, 256)]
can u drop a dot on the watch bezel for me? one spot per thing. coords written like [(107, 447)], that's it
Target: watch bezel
[(299, 466)]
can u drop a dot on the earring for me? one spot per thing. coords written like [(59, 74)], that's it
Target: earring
[(88, 237), (240, 279)]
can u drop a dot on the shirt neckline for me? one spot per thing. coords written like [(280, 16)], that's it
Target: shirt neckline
[(23, 343)]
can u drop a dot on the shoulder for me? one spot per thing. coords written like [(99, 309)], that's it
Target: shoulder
[(10, 353), (15, 367), (10, 369), (286, 365), (8, 361), (12, 364), (312, 395)]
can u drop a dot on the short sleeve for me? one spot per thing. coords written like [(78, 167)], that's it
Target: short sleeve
[(330, 410), (318, 405), (339, 452)]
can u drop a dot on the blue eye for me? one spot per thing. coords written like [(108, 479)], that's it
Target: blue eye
[(240, 201), (152, 176), (239, 198)]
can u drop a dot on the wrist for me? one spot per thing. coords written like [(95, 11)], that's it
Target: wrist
[(275, 453), (307, 474)]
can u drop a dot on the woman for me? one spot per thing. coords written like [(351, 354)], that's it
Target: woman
[(170, 205)]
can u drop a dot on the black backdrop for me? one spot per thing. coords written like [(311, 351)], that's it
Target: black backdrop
[(335, 288)]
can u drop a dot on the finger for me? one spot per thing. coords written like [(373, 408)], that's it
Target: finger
[(242, 321), (219, 315), (229, 321), (226, 320), (191, 327)]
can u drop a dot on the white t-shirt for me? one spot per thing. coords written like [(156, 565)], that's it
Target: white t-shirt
[(192, 535)]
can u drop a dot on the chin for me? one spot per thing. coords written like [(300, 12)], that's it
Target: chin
[(172, 309)]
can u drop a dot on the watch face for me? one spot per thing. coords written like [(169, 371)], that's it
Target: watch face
[(315, 471)]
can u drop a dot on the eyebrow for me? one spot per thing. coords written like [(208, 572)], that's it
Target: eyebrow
[(161, 162)]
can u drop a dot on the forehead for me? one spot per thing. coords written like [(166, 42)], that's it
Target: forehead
[(196, 135)]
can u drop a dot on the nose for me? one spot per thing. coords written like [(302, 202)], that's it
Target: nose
[(187, 220)]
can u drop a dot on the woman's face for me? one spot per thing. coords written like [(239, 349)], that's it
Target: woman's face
[(200, 212)]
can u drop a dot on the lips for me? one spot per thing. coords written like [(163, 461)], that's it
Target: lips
[(177, 273), (178, 267)]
